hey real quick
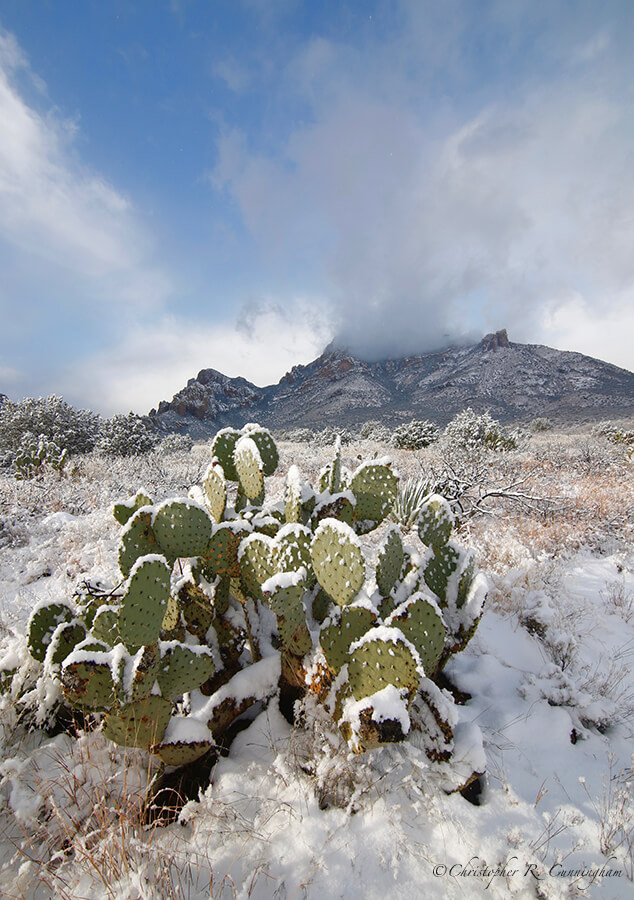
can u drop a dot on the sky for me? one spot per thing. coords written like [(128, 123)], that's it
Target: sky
[(232, 184)]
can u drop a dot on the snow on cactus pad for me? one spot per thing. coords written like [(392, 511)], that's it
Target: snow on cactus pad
[(249, 467), (374, 485), (337, 637), (137, 539), (265, 444), (435, 521), (183, 668), (215, 490), (139, 724), (185, 740), (420, 620), (222, 448), (381, 657), (338, 560), (182, 528), (145, 601), (43, 621)]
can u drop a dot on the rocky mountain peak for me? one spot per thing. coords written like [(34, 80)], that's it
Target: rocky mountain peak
[(338, 389), (495, 340)]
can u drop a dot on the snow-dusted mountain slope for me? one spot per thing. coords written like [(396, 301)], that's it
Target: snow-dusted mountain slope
[(512, 381)]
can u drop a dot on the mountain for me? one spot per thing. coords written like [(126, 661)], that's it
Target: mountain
[(512, 381)]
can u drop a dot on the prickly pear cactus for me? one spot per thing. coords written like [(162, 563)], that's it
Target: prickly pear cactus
[(224, 581)]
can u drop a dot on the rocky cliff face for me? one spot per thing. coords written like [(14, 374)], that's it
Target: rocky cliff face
[(512, 381)]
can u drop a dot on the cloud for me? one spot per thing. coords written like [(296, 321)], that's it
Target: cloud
[(454, 191), (157, 359)]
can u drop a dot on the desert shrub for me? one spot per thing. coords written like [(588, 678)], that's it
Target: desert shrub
[(175, 443), (35, 454), (471, 431), (52, 419), (297, 435), (127, 435), (415, 435), (328, 436), (540, 424), (373, 430)]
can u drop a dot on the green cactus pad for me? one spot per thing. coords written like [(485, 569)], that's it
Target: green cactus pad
[(137, 539), (215, 491), (422, 625), (374, 485), (466, 580), (181, 753), (127, 508), (292, 549), (322, 604), (182, 528), (89, 682), (293, 495), (380, 659), (105, 626), (250, 467), (293, 631), (435, 521), (439, 569), (258, 561), (171, 619), (266, 447), (145, 669), (390, 562), (64, 640), (283, 599), (334, 475), (337, 507), (221, 555), (183, 668), (144, 603), (42, 623), (222, 448), (185, 740), (338, 561), (336, 639), (139, 724)]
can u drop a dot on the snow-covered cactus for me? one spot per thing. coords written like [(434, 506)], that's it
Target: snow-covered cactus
[(222, 581)]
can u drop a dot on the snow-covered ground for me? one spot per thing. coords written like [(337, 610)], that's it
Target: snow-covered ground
[(289, 812)]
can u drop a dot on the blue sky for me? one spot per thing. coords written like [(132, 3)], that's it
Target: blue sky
[(233, 183)]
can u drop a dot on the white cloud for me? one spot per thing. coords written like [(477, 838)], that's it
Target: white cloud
[(52, 207), (482, 213), (154, 361)]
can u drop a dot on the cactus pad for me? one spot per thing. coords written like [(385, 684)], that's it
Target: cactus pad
[(336, 639), (182, 528), (422, 625), (435, 521), (249, 467), (221, 555), (374, 485), (266, 447), (440, 568), (222, 448), (42, 624), (215, 491), (381, 658), (139, 724), (64, 640), (105, 626), (390, 562), (137, 539), (338, 561), (144, 603), (88, 683), (127, 508), (183, 668)]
